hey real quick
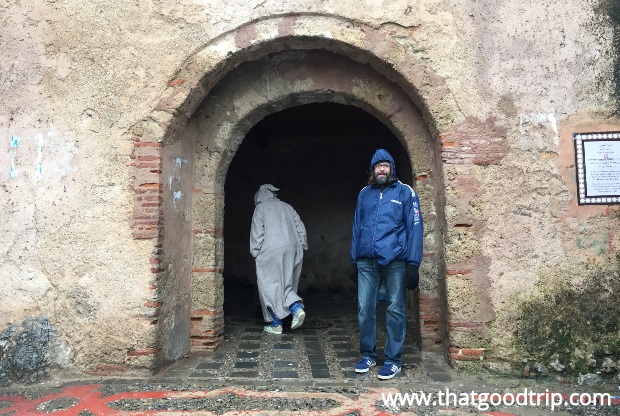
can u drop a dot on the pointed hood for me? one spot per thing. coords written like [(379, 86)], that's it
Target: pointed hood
[(382, 155), (265, 192)]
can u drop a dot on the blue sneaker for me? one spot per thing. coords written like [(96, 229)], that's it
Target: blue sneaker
[(364, 365), (388, 371)]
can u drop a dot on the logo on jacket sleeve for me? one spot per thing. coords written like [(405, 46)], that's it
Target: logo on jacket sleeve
[(416, 216)]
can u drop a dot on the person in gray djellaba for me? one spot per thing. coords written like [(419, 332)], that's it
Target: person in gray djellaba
[(277, 243)]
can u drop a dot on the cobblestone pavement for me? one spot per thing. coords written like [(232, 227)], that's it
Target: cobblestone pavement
[(306, 371), (325, 350)]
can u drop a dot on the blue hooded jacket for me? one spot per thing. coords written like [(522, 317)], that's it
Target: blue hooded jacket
[(388, 223)]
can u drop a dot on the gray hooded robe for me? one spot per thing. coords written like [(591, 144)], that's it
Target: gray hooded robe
[(277, 240)]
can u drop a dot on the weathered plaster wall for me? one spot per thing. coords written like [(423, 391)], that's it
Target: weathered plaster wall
[(77, 76)]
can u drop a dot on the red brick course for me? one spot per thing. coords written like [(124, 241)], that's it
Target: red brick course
[(146, 165), (475, 142), (430, 321), (466, 354), (206, 329)]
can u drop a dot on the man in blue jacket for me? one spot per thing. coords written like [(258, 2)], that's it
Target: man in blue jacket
[(386, 246)]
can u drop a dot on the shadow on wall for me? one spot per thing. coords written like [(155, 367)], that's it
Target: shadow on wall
[(611, 9), (318, 156)]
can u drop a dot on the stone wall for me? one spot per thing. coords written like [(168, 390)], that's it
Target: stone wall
[(112, 178)]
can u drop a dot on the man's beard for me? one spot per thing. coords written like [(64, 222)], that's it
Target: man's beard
[(381, 180)]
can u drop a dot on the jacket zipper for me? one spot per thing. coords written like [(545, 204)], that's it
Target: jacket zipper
[(376, 221)]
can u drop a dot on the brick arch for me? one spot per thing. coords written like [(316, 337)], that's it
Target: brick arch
[(356, 40), (181, 157)]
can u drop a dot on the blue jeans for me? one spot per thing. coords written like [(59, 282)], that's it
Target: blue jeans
[(370, 274)]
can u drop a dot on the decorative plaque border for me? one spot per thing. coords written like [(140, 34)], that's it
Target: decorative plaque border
[(597, 162)]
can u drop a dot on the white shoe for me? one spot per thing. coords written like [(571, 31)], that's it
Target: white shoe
[(273, 329), (298, 319)]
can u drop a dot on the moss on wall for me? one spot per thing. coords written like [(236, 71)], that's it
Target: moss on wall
[(575, 328)]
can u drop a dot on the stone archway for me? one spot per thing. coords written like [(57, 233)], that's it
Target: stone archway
[(244, 97), (196, 128)]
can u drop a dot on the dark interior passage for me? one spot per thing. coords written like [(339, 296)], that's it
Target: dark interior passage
[(318, 155)]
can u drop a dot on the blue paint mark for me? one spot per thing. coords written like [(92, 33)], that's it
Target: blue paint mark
[(176, 195), (39, 168), (14, 141), (12, 170)]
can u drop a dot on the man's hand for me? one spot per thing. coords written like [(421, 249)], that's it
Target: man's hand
[(353, 273), (412, 277)]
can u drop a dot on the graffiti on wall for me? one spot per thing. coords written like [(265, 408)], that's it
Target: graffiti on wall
[(174, 181), (14, 146), (26, 155)]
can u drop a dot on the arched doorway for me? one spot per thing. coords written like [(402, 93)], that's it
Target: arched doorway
[(317, 155), (199, 128), (252, 123)]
